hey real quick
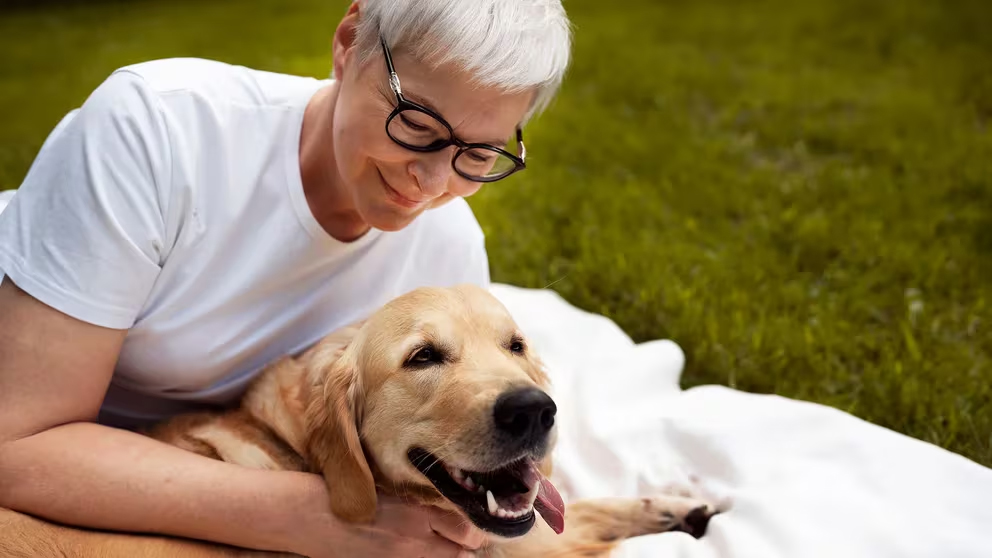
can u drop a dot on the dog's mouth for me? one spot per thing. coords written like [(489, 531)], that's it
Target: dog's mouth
[(501, 501)]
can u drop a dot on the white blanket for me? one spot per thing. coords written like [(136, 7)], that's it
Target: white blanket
[(5, 197), (800, 480)]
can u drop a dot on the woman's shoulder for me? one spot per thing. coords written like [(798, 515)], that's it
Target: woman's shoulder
[(221, 83)]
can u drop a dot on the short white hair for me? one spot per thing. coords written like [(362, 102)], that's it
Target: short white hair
[(514, 45)]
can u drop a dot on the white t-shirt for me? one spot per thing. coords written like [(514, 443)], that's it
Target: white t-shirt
[(171, 204)]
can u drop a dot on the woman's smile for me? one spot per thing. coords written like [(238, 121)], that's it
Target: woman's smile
[(396, 197)]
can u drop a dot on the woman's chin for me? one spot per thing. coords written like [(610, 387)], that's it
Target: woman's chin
[(392, 218)]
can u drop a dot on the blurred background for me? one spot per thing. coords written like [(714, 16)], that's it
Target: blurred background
[(798, 192)]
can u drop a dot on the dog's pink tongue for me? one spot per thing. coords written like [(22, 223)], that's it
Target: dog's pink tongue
[(550, 506), (548, 503)]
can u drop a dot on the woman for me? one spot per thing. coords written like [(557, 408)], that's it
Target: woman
[(194, 220)]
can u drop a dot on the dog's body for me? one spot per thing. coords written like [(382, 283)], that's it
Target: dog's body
[(433, 388)]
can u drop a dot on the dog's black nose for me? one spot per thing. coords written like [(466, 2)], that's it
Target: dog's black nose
[(526, 414)]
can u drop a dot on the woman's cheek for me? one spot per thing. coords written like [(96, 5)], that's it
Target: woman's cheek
[(439, 201), (465, 188)]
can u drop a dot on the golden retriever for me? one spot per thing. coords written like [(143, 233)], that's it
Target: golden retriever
[(436, 397)]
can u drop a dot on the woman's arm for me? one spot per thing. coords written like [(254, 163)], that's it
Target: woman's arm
[(54, 371)]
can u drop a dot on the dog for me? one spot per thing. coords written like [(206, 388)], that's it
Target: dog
[(437, 397)]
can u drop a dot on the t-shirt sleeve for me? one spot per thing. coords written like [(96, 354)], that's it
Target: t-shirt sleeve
[(85, 233)]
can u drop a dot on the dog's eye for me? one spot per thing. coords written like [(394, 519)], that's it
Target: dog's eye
[(426, 355), (517, 346), (423, 355)]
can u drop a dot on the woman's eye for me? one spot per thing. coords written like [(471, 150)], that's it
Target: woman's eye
[(476, 157), (413, 125)]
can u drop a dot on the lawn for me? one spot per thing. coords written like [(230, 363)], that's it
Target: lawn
[(798, 193)]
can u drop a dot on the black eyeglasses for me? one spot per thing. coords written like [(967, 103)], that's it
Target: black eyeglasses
[(418, 128)]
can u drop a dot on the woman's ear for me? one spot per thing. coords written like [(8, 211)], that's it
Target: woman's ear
[(334, 446), (345, 41)]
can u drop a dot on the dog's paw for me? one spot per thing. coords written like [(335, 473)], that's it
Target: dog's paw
[(677, 513)]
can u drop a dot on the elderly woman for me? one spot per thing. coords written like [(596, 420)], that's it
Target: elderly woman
[(194, 220)]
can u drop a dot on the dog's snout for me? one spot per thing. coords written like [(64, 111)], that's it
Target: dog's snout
[(525, 414)]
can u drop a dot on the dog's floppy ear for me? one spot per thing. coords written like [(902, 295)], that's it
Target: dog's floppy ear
[(333, 443)]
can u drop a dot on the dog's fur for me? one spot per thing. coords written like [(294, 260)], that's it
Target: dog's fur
[(351, 408)]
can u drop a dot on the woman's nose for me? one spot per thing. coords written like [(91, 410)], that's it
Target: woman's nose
[(432, 172)]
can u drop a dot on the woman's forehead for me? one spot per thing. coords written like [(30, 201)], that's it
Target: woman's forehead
[(467, 106)]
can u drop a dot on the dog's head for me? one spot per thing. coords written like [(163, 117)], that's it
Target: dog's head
[(437, 396)]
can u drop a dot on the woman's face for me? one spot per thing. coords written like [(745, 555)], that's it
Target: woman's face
[(389, 184)]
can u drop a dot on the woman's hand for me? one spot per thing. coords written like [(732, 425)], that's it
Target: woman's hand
[(404, 530)]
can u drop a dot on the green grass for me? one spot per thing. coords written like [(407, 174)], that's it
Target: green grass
[(798, 193)]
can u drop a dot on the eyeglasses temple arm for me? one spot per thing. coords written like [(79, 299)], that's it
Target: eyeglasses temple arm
[(394, 80)]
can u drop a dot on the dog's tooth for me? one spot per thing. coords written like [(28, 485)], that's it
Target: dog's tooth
[(491, 500), (480, 489), (469, 483)]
